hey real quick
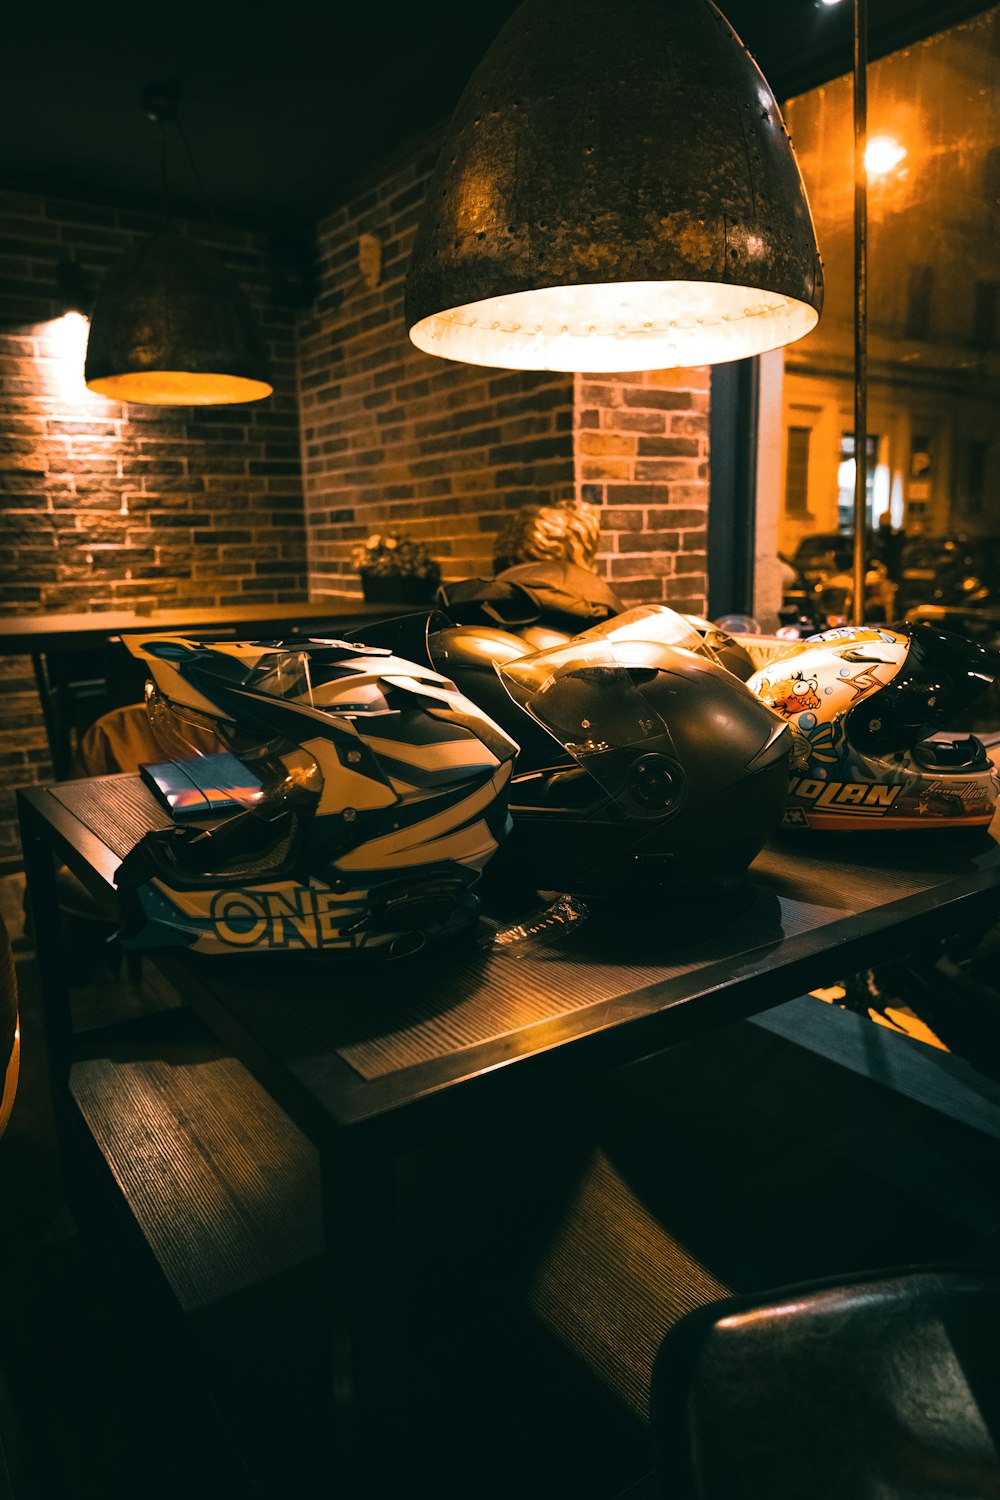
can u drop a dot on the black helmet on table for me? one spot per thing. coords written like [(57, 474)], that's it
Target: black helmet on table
[(640, 761)]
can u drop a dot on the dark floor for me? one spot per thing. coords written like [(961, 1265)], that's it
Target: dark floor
[(86, 1414), (539, 1271)]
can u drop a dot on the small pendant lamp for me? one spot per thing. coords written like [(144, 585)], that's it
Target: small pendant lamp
[(170, 327), (616, 191)]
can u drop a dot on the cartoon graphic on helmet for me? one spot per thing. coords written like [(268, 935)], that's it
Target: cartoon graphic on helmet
[(375, 794), (793, 695), (875, 715), (642, 764)]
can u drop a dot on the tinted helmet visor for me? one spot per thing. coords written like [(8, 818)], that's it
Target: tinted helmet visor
[(941, 678), (278, 772), (597, 709)]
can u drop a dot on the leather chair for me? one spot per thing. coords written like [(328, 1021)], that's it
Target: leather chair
[(123, 740), (120, 740), (880, 1387), (9, 1056), (10, 1041)]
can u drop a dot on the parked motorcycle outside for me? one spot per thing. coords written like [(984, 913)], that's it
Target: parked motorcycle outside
[(953, 582), (814, 603)]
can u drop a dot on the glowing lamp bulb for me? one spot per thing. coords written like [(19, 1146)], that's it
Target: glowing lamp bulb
[(882, 155), (631, 326), (563, 230)]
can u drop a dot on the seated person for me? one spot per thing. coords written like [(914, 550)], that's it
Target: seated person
[(568, 531), (123, 740), (544, 576)]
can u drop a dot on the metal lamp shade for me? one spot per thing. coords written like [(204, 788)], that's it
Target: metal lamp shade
[(170, 327), (617, 191)]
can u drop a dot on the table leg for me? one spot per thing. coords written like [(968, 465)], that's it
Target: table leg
[(43, 907), (52, 699), (361, 1240)]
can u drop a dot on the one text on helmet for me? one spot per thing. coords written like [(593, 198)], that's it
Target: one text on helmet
[(303, 917)]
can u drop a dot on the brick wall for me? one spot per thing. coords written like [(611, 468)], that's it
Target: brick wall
[(110, 506), (104, 505), (642, 454), (394, 437)]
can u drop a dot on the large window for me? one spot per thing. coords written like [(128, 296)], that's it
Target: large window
[(933, 450), (797, 470)]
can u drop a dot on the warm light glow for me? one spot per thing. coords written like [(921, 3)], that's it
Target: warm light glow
[(66, 337), (62, 345), (637, 325), (763, 1314), (180, 388), (882, 155)]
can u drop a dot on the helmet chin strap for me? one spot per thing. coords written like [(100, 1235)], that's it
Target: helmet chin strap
[(195, 853), (244, 835)]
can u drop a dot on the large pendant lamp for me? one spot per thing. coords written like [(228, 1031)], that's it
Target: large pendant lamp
[(616, 191), (170, 327)]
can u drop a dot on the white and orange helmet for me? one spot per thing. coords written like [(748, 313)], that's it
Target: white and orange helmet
[(876, 718)]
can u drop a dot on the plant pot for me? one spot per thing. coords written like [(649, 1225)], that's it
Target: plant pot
[(397, 589)]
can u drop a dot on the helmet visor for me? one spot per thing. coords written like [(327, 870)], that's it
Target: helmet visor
[(651, 622), (592, 697), (940, 680), (234, 764)]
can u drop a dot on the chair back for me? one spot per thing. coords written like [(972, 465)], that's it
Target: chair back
[(10, 1037), (882, 1387)]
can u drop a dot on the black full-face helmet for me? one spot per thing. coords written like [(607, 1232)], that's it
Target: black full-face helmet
[(472, 654), (641, 763), (372, 794)]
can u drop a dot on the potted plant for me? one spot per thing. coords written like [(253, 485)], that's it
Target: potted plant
[(395, 569)]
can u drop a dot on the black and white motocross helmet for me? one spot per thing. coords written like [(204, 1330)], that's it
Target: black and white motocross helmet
[(371, 794), (642, 762)]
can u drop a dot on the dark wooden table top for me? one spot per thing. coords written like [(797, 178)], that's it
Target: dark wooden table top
[(363, 1043), (26, 634)]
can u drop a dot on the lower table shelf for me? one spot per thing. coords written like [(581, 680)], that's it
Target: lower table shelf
[(222, 1266), (222, 1185)]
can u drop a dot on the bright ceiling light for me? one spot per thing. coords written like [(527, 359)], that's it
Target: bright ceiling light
[(616, 191), (66, 338), (883, 154)]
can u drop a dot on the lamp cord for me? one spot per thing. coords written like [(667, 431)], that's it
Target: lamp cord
[(202, 192), (164, 182), (160, 102)]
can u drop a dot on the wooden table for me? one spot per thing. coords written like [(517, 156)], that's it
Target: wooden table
[(259, 1126), (70, 652)]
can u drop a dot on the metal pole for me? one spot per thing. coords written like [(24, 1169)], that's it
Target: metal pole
[(860, 304)]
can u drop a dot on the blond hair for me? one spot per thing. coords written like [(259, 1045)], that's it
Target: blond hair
[(568, 531)]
